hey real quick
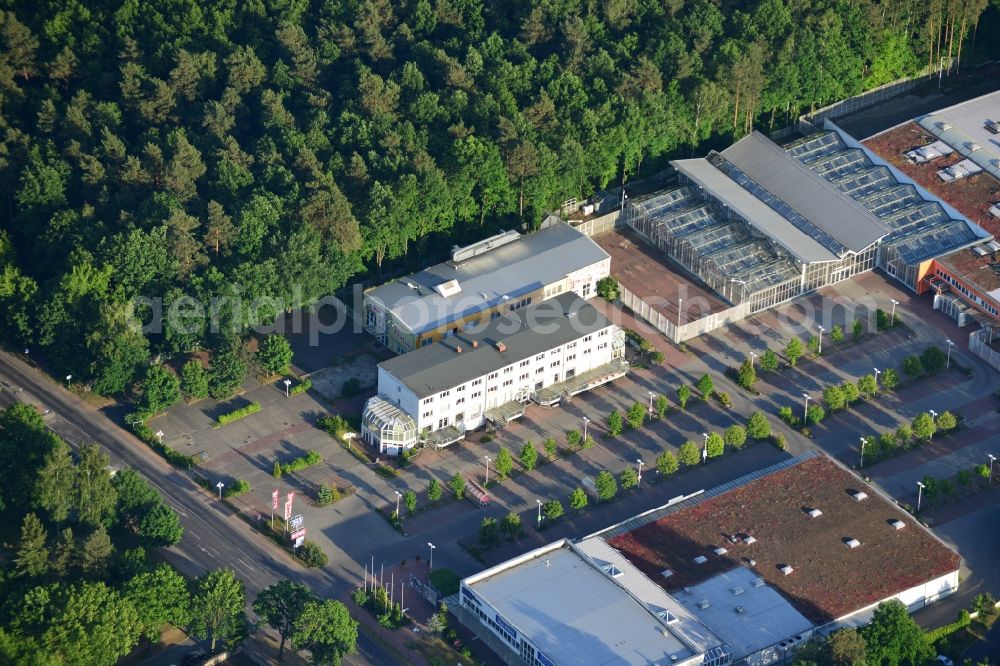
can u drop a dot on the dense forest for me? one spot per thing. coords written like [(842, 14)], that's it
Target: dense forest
[(215, 148)]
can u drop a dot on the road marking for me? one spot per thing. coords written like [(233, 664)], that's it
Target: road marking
[(245, 565)]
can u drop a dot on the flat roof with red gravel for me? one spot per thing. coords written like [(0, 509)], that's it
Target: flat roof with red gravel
[(830, 579), (647, 273)]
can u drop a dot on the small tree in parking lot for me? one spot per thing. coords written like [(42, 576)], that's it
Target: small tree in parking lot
[(793, 351), (746, 375), (890, 379), (837, 334), (504, 464), (683, 395), (689, 454), (578, 499), (511, 525), (833, 396), (434, 490), (715, 445), (606, 485), (758, 426), (706, 387), (614, 423), (552, 509), (857, 329), (457, 485), (769, 361), (489, 531), (667, 464), (629, 478), (813, 344), (573, 438), (735, 436), (551, 448), (815, 414), (529, 456), (867, 386), (946, 421), (636, 415), (661, 404)]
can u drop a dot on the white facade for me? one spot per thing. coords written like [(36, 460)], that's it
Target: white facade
[(463, 406)]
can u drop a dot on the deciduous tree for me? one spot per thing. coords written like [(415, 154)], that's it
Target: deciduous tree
[(281, 605)]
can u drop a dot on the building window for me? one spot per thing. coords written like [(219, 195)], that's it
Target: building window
[(539, 371), (586, 289), (508, 369), (524, 363), (476, 394), (459, 401), (602, 333), (571, 357), (523, 377), (554, 364), (445, 394), (428, 414), (491, 389), (571, 345), (540, 357), (603, 345), (493, 375), (428, 401), (524, 302), (460, 389), (588, 338), (426, 341), (477, 382), (508, 382)]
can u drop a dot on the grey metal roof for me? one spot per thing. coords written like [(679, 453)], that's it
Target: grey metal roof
[(832, 212), (575, 614), (513, 269), (799, 244), (532, 330), (748, 621)]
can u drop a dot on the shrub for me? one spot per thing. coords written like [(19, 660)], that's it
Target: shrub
[(724, 399), (746, 375), (194, 380), (312, 555), (758, 426), (578, 499), (303, 386), (608, 289), (923, 426), (683, 395), (327, 494), (890, 379), (667, 463), (887, 441), (786, 414), (504, 463), (851, 393), (837, 334), (334, 425), (636, 415), (160, 389), (237, 414), (628, 478), (833, 396), (965, 477), (689, 454), (715, 445), (606, 485), (857, 329), (946, 421), (705, 386), (511, 525), (614, 423), (434, 490), (769, 361), (410, 501), (735, 436), (489, 531), (274, 354), (529, 456), (867, 385), (445, 581), (662, 405), (553, 509), (815, 414), (779, 441), (238, 488), (573, 438), (457, 485), (276, 471), (983, 471), (308, 460), (551, 448), (904, 433), (588, 443), (933, 360), (657, 357), (813, 344), (793, 351), (912, 366)]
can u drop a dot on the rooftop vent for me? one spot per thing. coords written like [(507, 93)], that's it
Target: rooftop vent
[(739, 610), (666, 573), (720, 551), (973, 147), (992, 126), (944, 127), (704, 604), (852, 543), (758, 582), (737, 591), (548, 563), (701, 559), (815, 513), (612, 570), (449, 288), (786, 569), (859, 495), (748, 539), (501, 347), (667, 617), (458, 349), (897, 524)]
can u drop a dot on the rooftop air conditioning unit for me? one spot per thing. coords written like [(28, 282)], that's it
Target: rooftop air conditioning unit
[(666, 573), (701, 559), (815, 513), (704, 604), (758, 582), (859, 495), (786, 569), (720, 551), (897, 524), (852, 543), (748, 539)]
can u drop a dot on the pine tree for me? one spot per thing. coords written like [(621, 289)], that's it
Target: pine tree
[(32, 555)]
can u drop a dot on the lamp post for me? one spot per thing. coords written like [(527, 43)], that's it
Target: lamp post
[(651, 394), (920, 494), (704, 448), (992, 460), (398, 497), (585, 422), (753, 357), (69, 378), (950, 345), (159, 436), (639, 477), (820, 351), (487, 458), (539, 512), (220, 485), (805, 410), (288, 382), (877, 373), (892, 315), (863, 442), (431, 563), (680, 302)]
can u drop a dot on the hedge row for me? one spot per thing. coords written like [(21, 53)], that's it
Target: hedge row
[(146, 434), (301, 387), (237, 414), (307, 460)]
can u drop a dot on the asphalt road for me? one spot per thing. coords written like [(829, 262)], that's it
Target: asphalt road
[(214, 537)]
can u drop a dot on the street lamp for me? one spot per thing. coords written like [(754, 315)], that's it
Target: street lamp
[(398, 497), (704, 448), (820, 351), (877, 373), (585, 422), (680, 302), (863, 442), (69, 378), (431, 564), (805, 410), (950, 345), (920, 494), (892, 316), (651, 394), (288, 382), (159, 436), (220, 485), (992, 460), (639, 478), (487, 469), (539, 512), (753, 357)]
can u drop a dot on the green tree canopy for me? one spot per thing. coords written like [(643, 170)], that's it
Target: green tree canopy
[(280, 606), (327, 630), (217, 607), (160, 597)]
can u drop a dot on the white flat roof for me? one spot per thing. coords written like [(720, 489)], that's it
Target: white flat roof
[(575, 613), (764, 617), (963, 127)]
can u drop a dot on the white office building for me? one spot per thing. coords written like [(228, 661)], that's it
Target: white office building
[(546, 352)]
